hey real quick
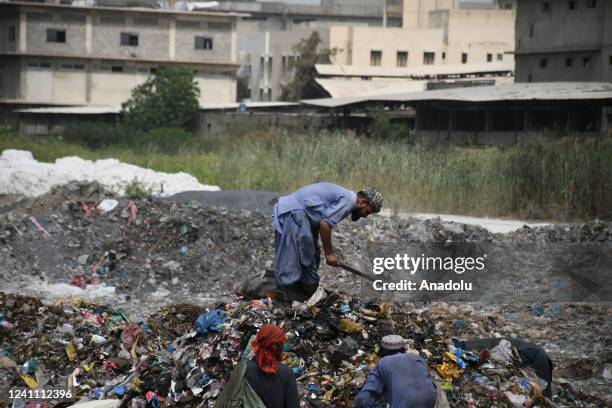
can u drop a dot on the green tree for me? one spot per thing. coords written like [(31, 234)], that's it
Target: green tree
[(168, 99), (303, 85)]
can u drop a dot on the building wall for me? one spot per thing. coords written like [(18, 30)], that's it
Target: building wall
[(92, 67), (39, 21), (269, 55), (9, 21), (547, 40), (494, 35), (10, 78), (222, 44), (91, 86), (416, 12), (153, 39), (364, 40)]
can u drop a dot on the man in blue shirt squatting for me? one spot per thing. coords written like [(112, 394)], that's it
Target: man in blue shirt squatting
[(299, 219), (402, 378)]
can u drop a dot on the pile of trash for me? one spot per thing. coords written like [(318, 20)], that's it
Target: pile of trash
[(183, 355), (163, 263)]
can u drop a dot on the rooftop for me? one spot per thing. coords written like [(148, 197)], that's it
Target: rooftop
[(138, 10), (116, 109), (418, 71), (542, 91)]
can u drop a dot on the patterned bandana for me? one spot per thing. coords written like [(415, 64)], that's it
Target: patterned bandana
[(373, 197)]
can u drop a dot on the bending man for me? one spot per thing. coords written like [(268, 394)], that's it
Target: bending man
[(299, 218)]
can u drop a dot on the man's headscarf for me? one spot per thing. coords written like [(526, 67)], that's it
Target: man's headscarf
[(268, 347), (373, 197)]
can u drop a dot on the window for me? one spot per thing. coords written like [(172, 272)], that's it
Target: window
[(203, 43), (56, 36), (219, 26), (129, 39), (429, 58), (188, 24), (489, 57), (116, 68), (610, 60), (531, 31), (402, 58), (500, 57), (444, 55), (568, 62), (75, 67), (572, 5), (543, 62), (118, 20), (464, 57), (38, 16), (11, 34), (375, 58), (591, 3), (42, 65), (72, 18), (529, 78), (546, 7), (586, 61), (146, 21), (508, 6)]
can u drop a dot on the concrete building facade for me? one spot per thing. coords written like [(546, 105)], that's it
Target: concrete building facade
[(450, 39), (56, 54), (564, 41)]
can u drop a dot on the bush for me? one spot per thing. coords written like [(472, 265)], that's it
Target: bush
[(136, 189), (168, 99), (99, 135), (381, 127), (166, 140), (94, 134)]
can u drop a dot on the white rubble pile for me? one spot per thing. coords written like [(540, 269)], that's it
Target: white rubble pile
[(20, 173)]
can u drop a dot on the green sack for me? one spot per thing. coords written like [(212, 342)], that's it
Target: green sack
[(238, 393)]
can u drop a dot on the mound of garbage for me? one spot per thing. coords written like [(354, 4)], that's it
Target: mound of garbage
[(182, 355), (163, 263)]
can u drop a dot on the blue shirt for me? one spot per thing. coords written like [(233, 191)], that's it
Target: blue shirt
[(403, 378), (320, 202)]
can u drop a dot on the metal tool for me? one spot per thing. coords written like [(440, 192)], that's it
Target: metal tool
[(356, 272)]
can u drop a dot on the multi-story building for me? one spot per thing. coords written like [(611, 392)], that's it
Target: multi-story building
[(568, 40), (70, 55), (448, 36)]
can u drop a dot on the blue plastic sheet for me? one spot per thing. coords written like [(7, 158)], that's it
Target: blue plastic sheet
[(211, 321)]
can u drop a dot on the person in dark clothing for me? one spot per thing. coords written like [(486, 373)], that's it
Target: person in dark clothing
[(273, 382), (531, 354), (401, 377)]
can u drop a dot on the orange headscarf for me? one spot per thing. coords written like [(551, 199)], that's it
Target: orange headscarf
[(268, 347)]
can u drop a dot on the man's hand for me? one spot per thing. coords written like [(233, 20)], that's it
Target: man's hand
[(332, 260)]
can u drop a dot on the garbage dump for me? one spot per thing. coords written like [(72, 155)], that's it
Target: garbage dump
[(152, 319), (182, 355)]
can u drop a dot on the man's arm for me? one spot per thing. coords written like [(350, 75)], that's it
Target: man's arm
[(325, 230), (372, 389)]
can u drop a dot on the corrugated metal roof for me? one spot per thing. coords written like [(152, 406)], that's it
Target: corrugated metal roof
[(74, 110), (110, 109), (355, 87), (342, 88), (249, 105), (543, 91), (220, 13), (419, 71)]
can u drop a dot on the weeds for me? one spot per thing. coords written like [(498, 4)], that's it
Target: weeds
[(561, 179)]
